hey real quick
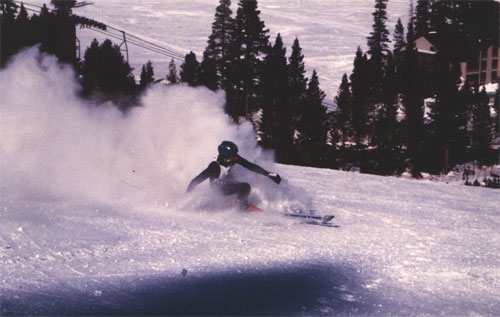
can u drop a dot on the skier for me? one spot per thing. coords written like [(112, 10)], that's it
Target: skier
[(218, 171)]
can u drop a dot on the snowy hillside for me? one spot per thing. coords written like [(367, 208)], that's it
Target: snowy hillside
[(94, 218), (329, 31)]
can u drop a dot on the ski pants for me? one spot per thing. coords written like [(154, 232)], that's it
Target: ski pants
[(242, 190)]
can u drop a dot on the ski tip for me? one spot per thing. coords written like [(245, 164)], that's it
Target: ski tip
[(327, 218)]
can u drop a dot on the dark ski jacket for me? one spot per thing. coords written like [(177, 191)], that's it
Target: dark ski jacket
[(214, 169)]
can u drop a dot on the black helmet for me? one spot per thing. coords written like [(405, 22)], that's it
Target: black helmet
[(227, 149)]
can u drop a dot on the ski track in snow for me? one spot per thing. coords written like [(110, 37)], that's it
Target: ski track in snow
[(403, 247)]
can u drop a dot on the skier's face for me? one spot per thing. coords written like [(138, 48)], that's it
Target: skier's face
[(226, 161)]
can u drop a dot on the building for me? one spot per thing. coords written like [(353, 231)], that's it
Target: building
[(426, 54), (482, 67), (478, 66)]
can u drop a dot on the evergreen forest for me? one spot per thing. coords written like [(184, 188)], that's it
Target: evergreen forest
[(393, 113)]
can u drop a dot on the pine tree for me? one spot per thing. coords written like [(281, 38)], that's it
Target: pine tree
[(378, 49), (64, 6), (297, 80), (268, 129), (343, 114), (410, 33), (385, 134), (412, 101), (473, 19), (24, 37), (399, 43), (313, 126), (8, 31), (441, 15), (386, 139), (219, 41), (8, 9), (250, 44), (481, 20), (482, 126), (48, 42), (360, 95), (422, 17), (399, 35), (464, 106), (208, 73), (147, 75), (44, 11), (446, 75), (277, 122), (43, 26), (90, 68), (62, 38), (189, 69), (235, 99), (105, 70), (172, 76), (255, 38), (379, 37)]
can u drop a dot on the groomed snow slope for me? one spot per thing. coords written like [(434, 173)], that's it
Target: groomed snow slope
[(402, 247)]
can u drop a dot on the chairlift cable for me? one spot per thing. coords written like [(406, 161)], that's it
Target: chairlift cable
[(148, 45)]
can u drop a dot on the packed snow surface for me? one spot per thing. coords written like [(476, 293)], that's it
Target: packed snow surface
[(401, 247)]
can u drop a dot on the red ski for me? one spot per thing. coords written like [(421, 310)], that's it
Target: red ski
[(252, 208)]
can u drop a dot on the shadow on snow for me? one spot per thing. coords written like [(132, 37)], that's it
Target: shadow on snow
[(308, 289)]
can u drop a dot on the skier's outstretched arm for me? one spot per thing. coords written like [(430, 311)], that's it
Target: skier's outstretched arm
[(259, 170), (211, 171)]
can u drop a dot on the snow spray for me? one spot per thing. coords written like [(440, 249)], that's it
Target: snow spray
[(55, 145)]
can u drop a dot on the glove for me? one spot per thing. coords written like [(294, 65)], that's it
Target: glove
[(274, 177), (190, 187)]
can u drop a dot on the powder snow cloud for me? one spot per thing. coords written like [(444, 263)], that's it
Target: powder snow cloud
[(56, 145)]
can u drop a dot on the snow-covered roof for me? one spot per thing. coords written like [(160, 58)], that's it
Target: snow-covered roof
[(426, 51)]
